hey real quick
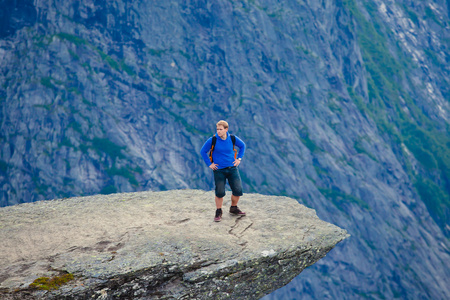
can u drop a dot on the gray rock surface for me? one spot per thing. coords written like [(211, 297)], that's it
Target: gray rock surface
[(148, 245)]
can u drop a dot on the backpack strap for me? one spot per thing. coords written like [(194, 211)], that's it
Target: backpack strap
[(233, 139), (213, 143)]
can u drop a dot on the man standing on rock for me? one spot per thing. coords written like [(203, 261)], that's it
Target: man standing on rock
[(224, 159)]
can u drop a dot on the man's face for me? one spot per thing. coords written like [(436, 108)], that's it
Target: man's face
[(221, 131)]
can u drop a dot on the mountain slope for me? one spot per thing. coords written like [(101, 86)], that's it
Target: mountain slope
[(343, 105)]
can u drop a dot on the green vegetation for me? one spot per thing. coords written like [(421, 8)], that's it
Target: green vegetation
[(307, 141), (334, 107), (384, 69), (74, 55), (101, 146), (114, 151), (84, 148), (185, 124), (114, 64), (412, 15), (185, 54), (73, 90), (40, 187), (54, 283), (138, 170), (397, 115), (295, 97), (358, 100), (437, 202), (3, 166), (50, 82), (126, 173), (75, 126), (87, 66), (108, 59), (110, 189), (108, 147), (340, 199), (429, 13), (433, 57), (127, 68), (300, 48), (190, 95), (47, 82), (66, 142), (249, 183), (72, 38), (359, 147), (422, 145), (42, 41), (320, 171), (46, 107), (156, 52), (86, 102)]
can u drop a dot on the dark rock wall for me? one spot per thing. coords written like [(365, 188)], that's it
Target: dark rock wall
[(14, 15), (342, 104)]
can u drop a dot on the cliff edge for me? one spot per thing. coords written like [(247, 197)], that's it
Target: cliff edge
[(151, 245)]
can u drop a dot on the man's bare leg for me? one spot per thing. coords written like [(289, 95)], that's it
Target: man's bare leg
[(234, 209), (234, 200), (219, 202)]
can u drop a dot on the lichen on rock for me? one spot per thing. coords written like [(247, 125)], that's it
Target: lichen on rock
[(54, 283)]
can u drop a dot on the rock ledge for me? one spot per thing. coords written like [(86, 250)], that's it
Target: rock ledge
[(151, 245)]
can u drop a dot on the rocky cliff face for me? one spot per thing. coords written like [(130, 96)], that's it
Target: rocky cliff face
[(343, 105), (154, 245)]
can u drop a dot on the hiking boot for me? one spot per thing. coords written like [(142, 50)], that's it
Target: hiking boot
[(234, 210), (218, 216)]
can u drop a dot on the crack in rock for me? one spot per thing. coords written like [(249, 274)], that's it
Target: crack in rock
[(241, 225)]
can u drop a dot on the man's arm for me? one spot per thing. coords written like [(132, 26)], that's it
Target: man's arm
[(241, 146), (205, 150)]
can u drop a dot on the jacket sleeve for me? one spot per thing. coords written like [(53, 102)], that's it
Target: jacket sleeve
[(241, 145), (205, 150)]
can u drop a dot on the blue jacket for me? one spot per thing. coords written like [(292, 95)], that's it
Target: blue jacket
[(223, 153)]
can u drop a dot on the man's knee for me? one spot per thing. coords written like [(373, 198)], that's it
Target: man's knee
[(236, 188), (219, 181), (236, 184), (237, 193), (220, 189)]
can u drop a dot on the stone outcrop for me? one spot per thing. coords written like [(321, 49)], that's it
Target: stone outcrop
[(149, 245)]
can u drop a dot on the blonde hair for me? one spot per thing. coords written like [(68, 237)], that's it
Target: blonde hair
[(222, 123)]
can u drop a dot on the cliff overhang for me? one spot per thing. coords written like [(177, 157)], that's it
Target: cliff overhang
[(149, 245)]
